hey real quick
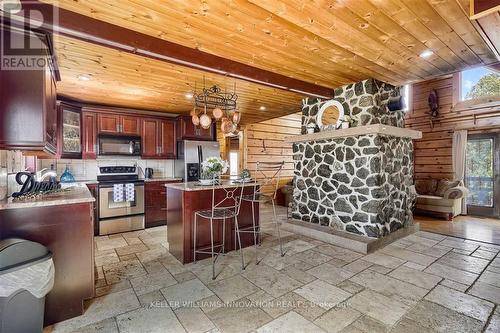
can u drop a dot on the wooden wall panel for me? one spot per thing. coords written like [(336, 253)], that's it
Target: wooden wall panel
[(264, 142), (433, 153)]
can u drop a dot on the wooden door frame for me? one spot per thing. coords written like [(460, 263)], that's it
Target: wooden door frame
[(495, 210)]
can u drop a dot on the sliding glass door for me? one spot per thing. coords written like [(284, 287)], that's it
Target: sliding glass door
[(482, 174)]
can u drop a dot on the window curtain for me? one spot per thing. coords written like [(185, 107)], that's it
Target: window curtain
[(458, 160)]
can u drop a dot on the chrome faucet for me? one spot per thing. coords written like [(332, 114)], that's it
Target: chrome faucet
[(42, 175)]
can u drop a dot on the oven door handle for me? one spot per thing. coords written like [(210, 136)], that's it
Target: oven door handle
[(111, 185)]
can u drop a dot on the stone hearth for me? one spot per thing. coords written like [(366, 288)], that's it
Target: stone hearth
[(358, 182)]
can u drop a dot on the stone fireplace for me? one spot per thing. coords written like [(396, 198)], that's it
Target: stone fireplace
[(357, 179)]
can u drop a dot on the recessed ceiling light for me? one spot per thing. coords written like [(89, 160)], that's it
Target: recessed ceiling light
[(83, 77), (426, 54), (262, 108), (10, 6), (188, 95)]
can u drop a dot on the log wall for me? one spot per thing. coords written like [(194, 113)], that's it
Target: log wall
[(264, 142), (433, 152)]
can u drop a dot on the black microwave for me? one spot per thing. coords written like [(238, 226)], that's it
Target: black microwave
[(112, 145)]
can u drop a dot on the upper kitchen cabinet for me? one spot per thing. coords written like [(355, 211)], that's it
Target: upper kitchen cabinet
[(89, 135), (69, 131), (187, 131), (28, 112), (158, 138), (109, 123)]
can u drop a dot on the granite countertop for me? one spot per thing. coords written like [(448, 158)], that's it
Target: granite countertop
[(193, 186), (163, 179), (74, 195)]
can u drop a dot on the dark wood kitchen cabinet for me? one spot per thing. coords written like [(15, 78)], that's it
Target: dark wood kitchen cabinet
[(28, 112), (187, 131), (95, 208), (155, 203), (89, 135), (69, 131), (158, 138), (109, 123)]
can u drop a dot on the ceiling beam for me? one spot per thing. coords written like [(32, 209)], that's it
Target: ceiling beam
[(74, 25)]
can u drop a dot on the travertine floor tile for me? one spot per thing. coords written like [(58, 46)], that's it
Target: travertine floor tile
[(294, 247), (290, 322), (337, 319), (378, 306), (322, 294), (451, 273), (184, 294), (407, 255), (494, 325), (151, 282), (490, 278), (140, 320), (455, 300), (464, 262), (330, 274), (418, 278), (442, 319), (270, 280), (388, 286), (101, 308), (486, 291), (233, 288), (366, 324), (194, 320), (384, 260), (312, 257), (123, 270), (357, 266), (338, 252), (110, 243), (239, 318)]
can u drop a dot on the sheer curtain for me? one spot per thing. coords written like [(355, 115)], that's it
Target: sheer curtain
[(458, 160)]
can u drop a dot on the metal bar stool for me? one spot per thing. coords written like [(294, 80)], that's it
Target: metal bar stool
[(227, 208), (269, 174)]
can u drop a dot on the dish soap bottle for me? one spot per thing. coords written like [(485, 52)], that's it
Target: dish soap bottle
[(67, 177)]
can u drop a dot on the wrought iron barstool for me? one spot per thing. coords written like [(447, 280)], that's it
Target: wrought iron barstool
[(269, 174), (226, 208)]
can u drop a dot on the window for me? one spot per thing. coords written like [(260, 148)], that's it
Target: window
[(405, 92), (479, 172), (479, 82), (233, 163)]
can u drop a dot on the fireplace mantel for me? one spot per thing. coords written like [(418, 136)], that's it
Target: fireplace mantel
[(357, 131)]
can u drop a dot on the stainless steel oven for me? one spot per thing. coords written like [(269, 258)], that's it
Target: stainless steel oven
[(123, 215)]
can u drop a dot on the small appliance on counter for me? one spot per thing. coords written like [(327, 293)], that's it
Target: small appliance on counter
[(121, 199), (148, 173)]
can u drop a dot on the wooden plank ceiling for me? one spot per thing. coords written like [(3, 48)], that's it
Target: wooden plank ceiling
[(123, 79), (328, 43)]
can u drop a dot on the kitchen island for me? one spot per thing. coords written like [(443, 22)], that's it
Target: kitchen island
[(184, 199), (64, 223)]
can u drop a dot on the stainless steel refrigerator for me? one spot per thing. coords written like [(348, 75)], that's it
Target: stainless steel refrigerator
[(191, 154)]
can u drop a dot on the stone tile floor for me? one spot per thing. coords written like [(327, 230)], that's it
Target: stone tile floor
[(422, 283)]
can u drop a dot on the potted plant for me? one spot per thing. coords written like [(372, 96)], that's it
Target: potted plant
[(311, 128), (245, 175), (211, 168), (349, 121)]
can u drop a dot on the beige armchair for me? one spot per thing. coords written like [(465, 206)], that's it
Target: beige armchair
[(439, 197)]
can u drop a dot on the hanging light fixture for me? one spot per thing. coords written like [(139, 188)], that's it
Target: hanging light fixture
[(223, 106)]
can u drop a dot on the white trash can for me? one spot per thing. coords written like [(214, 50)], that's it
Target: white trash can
[(26, 277)]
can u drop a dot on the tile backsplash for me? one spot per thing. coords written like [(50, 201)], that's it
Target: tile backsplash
[(87, 169), (11, 162)]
